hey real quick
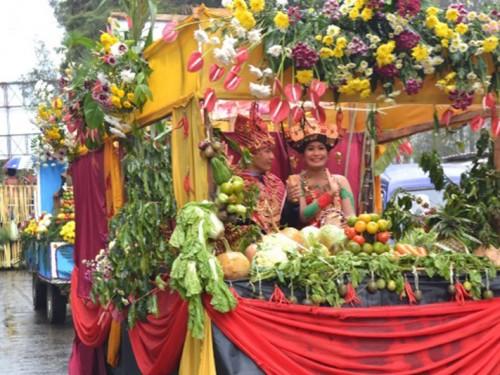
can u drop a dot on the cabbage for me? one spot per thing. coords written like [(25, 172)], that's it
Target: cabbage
[(216, 227), (270, 257), (330, 235), (280, 241), (310, 235)]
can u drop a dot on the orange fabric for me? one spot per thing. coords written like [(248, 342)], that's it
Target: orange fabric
[(114, 343), (113, 178)]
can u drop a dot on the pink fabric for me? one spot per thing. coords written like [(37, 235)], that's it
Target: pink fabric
[(90, 212), (288, 161)]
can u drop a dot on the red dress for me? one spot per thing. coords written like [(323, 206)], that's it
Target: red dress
[(272, 194)]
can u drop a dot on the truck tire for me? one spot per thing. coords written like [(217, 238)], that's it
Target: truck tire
[(39, 293), (56, 305)]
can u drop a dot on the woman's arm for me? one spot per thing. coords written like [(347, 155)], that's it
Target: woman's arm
[(346, 196)]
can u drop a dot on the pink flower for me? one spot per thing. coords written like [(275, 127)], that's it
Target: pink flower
[(408, 8)]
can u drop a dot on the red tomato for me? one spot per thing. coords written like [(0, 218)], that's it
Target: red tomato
[(383, 236), (359, 239), (350, 232)]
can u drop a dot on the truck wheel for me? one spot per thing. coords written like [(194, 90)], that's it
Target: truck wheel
[(39, 293), (56, 305)]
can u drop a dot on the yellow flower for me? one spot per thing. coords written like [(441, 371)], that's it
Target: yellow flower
[(82, 150), (57, 103), (445, 43), (328, 40), (304, 76), (490, 44), (115, 100), (325, 53), (431, 22), (245, 18), (462, 28), (432, 11), (341, 42), (450, 88), (384, 53), (420, 52), (114, 89), (318, 38), (120, 93), (257, 5), (108, 40), (442, 30), (127, 104), (131, 96), (359, 4), (338, 52), (365, 93), (354, 13), (452, 14), (281, 20), (240, 5), (367, 14)]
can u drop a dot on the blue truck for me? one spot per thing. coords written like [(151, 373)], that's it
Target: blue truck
[(51, 264)]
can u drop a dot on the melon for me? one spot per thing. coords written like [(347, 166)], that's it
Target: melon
[(234, 264)]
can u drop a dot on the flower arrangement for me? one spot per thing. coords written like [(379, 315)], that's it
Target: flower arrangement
[(105, 90), (54, 143), (353, 47)]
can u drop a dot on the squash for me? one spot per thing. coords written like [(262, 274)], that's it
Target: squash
[(234, 264)]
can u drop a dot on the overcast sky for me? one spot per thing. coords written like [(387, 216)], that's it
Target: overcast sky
[(22, 24)]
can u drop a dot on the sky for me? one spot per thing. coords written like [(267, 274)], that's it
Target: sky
[(22, 24)]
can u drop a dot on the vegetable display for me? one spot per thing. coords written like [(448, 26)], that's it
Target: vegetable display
[(196, 270)]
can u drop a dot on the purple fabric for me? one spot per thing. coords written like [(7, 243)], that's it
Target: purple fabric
[(86, 360), (90, 213)]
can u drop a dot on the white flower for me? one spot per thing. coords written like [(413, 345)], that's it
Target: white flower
[(398, 29), (463, 47), (479, 51), (275, 50), (399, 66), (223, 56), (127, 76), (268, 72), (239, 30), (333, 30), (472, 16), (483, 17), (227, 3), (102, 78), (471, 76), (288, 52), (282, 3), (436, 60), (118, 49), (368, 72), (215, 40), (260, 91), (453, 49), (229, 42), (255, 71), (255, 36), (201, 36)]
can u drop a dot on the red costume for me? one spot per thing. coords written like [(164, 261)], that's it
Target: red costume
[(252, 134)]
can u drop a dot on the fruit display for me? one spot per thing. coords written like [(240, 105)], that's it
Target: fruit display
[(230, 194), (368, 233), (405, 249), (67, 209)]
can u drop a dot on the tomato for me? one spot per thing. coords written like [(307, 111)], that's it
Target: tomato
[(350, 232), (383, 236), (359, 239)]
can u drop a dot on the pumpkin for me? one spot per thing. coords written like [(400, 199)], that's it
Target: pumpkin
[(293, 234), (234, 264)]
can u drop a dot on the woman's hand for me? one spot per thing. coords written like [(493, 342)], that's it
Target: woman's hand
[(293, 189)]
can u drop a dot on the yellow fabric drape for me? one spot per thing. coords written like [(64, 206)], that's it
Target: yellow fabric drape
[(189, 169), (113, 178), (198, 355), (114, 201)]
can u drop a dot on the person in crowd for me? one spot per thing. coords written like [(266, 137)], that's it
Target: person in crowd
[(252, 134), (315, 196)]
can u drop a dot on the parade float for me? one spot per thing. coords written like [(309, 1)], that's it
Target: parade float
[(171, 274)]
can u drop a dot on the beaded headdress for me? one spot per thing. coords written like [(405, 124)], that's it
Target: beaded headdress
[(308, 130), (252, 132)]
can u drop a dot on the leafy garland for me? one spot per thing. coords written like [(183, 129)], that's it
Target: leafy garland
[(130, 272)]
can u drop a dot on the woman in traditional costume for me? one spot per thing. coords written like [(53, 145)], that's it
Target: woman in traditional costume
[(316, 196)]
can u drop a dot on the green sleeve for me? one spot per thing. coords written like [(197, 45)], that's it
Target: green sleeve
[(344, 194), (311, 210)]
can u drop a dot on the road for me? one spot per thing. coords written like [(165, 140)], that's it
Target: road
[(28, 343)]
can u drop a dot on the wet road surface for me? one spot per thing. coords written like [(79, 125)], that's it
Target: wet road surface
[(28, 343)]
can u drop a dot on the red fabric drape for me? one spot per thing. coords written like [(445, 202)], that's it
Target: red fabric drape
[(287, 161), (157, 342), (444, 338), (86, 360), (91, 322), (87, 173)]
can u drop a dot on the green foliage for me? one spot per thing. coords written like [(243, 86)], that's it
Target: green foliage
[(130, 272), (431, 164), (398, 212)]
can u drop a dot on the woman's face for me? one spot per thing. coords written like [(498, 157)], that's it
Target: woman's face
[(315, 155)]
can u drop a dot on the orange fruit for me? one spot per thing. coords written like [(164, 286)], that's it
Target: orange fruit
[(365, 217), (372, 227), (360, 226)]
